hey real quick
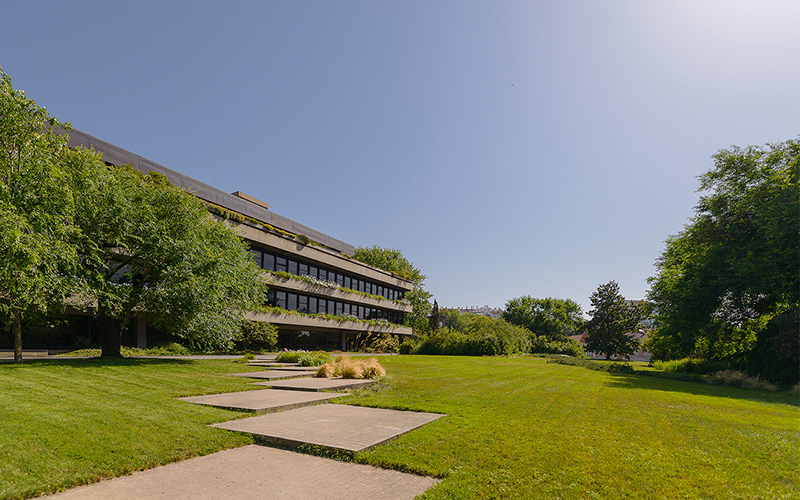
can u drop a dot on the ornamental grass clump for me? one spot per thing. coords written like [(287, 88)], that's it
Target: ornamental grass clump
[(740, 379), (347, 367)]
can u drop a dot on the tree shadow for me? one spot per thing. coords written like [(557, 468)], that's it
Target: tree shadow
[(633, 381), (98, 361)]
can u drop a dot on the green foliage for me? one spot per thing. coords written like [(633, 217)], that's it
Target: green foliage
[(482, 336), (257, 332), (304, 358), (555, 319), (613, 323), (736, 266), (150, 247), (393, 261), (569, 347), (691, 365), (389, 259), (36, 210)]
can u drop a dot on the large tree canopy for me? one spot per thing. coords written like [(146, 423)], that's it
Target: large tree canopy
[(555, 319), (150, 248), (36, 209), (392, 260), (736, 266)]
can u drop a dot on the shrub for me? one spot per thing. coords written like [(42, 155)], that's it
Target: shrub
[(541, 345), (483, 336), (257, 332), (692, 365), (304, 358), (736, 378)]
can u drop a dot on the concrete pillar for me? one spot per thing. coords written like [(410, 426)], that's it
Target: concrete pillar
[(141, 332), (342, 341)]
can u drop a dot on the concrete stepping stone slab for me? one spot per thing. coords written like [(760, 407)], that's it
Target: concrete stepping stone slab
[(256, 472), (261, 401), (318, 384), (274, 374), (342, 427)]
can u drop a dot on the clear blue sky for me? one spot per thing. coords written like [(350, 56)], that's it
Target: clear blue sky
[(506, 148)]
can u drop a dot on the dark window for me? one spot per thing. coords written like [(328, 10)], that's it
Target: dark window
[(323, 306), (256, 256), (313, 271), (323, 274), (312, 305), (348, 283), (339, 308), (280, 264), (293, 267), (360, 312), (379, 291), (340, 279), (270, 298), (362, 287), (291, 303), (280, 299), (268, 262), (302, 303), (302, 269)]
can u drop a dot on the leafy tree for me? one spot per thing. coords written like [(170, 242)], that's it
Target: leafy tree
[(613, 323), (435, 317), (735, 267), (150, 248), (257, 332), (555, 319), (393, 261), (36, 210)]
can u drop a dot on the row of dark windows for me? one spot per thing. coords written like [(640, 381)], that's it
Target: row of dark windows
[(272, 262), (315, 305)]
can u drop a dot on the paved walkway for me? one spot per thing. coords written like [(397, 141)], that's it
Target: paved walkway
[(261, 472), (257, 473), (264, 400), (317, 384), (341, 427), (275, 374)]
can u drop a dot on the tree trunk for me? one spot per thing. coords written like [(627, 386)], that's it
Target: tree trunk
[(17, 329), (110, 337)]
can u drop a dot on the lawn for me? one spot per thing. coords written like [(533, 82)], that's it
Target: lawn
[(516, 428), (523, 428), (70, 422)]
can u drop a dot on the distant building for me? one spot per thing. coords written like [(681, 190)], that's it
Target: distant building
[(492, 312)]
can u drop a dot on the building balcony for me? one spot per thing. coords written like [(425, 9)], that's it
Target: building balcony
[(304, 322)]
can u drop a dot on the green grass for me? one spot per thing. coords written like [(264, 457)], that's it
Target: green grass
[(523, 428), (515, 428), (70, 422)]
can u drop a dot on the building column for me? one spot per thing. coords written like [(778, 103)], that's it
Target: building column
[(342, 341), (141, 332)]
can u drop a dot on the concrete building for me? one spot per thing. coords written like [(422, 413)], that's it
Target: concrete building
[(308, 273)]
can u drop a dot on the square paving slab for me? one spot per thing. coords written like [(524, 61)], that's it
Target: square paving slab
[(318, 384), (275, 374), (254, 473), (351, 428), (262, 401)]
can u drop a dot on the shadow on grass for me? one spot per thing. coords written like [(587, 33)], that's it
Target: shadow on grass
[(98, 361), (633, 381)]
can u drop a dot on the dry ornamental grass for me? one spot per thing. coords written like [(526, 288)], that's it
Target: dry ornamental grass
[(346, 367)]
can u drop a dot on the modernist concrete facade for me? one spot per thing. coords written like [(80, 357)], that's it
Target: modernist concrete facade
[(310, 275)]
